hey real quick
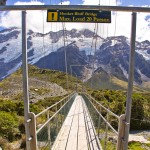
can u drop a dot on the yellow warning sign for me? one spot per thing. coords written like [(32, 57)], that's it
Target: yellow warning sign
[(88, 16), (52, 16)]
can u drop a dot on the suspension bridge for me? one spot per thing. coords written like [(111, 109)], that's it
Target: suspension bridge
[(77, 121)]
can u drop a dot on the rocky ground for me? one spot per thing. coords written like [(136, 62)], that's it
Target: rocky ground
[(38, 89), (140, 136)]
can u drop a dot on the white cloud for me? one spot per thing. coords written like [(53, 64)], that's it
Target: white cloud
[(29, 3), (101, 2), (37, 19), (143, 27), (10, 19), (13, 18), (65, 3)]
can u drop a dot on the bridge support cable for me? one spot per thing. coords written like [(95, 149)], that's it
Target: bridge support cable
[(49, 131), (130, 80), (65, 53)]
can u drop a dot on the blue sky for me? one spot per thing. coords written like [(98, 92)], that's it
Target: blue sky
[(74, 2)]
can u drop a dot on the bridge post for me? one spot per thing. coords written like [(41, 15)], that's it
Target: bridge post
[(99, 122), (130, 80), (49, 131), (106, 133), (120, 133), (25, 80), (30, 123), (32, 129)]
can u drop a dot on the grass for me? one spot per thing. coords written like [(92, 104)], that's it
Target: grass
[(138, 146), (132, 146), (124, 85), (109, 145), (146, 85)]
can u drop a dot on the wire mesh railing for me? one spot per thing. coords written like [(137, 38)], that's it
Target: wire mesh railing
[(50, 120), (107, 124), (92, 139)]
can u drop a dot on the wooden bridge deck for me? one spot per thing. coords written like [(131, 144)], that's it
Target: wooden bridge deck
[(77, 132)]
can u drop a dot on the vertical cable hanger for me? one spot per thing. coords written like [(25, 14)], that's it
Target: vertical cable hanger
[(93, 38), (57, 46), (115, 21), (43, 35), (52, 48), (63, 28), (115, 27), (43, 30), (94, 34)]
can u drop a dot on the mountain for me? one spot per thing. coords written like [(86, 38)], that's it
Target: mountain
[(86, 52), (115, 58)]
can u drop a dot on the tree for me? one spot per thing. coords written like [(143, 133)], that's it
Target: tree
[(137, 112)]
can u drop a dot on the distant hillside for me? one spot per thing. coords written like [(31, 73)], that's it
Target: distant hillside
[(43, 83), (103, 80)]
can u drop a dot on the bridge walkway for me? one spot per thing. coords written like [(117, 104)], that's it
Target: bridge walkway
[(77, 132)]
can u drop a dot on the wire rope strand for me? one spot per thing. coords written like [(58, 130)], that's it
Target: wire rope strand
[(43, 40), (91, 84), (93, 37), (63, 27), (95, 46)]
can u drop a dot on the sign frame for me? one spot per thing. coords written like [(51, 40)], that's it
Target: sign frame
[(85, 16)]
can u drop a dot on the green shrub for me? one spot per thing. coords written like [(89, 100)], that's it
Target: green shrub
[(115, 100), (8, 125), (7, 105)]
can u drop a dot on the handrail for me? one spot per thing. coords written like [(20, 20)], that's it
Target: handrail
[(52, 106), (87, 126), (52, 116), (104, 118), (103, 106), (117, 132)]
